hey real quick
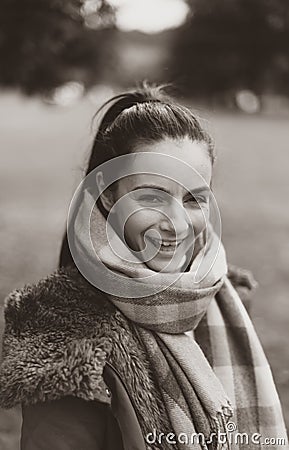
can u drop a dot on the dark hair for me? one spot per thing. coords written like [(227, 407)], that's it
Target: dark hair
[(144, 115)]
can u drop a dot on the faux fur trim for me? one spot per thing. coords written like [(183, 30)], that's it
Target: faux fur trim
[(58, 336), (53, 344)]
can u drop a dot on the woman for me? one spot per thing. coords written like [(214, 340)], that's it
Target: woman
[(140, 339)]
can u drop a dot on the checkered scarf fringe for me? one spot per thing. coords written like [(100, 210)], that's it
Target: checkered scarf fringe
[(226, 350)]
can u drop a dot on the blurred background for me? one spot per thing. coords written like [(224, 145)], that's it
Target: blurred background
[(227, 59)]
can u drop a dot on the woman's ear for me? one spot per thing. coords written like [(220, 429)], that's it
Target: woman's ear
[(106, 197)]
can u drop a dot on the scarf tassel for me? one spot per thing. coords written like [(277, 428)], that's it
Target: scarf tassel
[(218, 426)]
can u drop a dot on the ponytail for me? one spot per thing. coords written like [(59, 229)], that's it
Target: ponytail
[(127, 100), (118, 104)]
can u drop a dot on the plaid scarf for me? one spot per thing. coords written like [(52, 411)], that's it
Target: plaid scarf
[(215, 381)]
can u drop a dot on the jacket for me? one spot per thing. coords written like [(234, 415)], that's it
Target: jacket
[(69, 357)]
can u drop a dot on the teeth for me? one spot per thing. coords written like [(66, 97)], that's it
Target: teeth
[(164, 243)]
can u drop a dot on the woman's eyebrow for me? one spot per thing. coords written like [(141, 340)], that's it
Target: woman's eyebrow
[(151, 186), (204, 189)]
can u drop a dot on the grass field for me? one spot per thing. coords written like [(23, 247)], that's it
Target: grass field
[(42, 152)]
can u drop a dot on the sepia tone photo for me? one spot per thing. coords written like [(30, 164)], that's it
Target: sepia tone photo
[(144, 224)]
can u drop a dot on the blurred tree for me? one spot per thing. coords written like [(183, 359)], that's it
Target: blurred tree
[(233, 44), (44, 43)]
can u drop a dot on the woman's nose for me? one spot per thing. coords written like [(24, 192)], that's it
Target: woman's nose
[(175, 221)]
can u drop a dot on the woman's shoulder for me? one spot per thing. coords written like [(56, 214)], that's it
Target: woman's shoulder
[(53, 343), (244, 282), (63, 289), (62, 303)]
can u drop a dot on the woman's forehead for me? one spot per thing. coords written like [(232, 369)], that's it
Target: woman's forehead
[(164, 162)]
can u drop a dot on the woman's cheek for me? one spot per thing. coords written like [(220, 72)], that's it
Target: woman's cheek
[(143, 220), (198, 219), (136, 226)]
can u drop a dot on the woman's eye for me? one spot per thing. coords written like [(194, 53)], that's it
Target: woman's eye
[(196, 199), (151, 199)]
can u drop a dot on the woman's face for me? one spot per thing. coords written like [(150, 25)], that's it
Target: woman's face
[(157, 214)]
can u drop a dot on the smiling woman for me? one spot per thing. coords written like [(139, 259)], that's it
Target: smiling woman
[(140, 340), (146, 202)]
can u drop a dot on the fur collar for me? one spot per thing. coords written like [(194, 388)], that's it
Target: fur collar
[(58, 336), (52, 334)]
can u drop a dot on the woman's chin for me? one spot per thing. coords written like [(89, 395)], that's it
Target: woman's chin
[(160, 264)]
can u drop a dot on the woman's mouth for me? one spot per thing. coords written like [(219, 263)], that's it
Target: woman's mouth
[(165, 246)]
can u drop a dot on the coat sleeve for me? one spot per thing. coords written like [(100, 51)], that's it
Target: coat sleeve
[(66, 424), (244, 283)]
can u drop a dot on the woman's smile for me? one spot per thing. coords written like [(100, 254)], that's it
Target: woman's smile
[(165, 248), (165, 245)]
